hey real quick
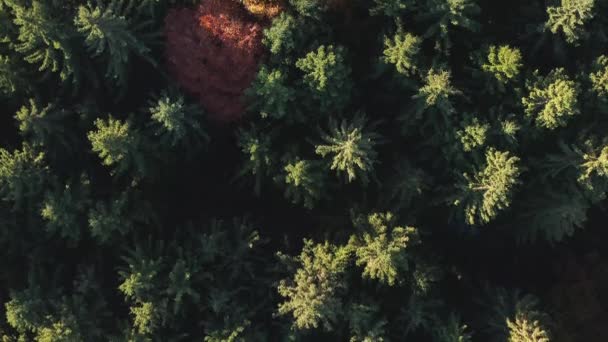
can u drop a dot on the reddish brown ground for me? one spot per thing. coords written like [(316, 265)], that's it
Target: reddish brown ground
[(213, 52)]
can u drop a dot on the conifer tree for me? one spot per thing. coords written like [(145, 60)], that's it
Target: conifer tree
[(22, 174), (312, 296), (257, 150), (271, 95), (473, 133), (62, 210), (11, 77), (352, 148), (41, 124), (599, 77), (401, 51), (108, 218), (281, 37), (366, 323), (327, 77), (390, 8), (383, 248), (436, 92), (419, 313), (176, 122), (42, 39), (408, 183), (551, 99), (107, 30), (528, 323), (118, 145), (303, 181), (504, 63), (310, 8), (452, 331), (446, 14), (489, 191), (569, 18)]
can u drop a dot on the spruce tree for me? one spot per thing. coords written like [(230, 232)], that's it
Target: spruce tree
[(352, 148), (383, 249), (40, 124), (503, 62), (390, 8), (446, 14), (436, 92), (366, 323), (11, 76), (552, 100), (599, 77), (271, 95), (487, 192), (42, 39), (569, 18), (452, 331), (473, 133), (110, 219), (303, 181), (281, 37), (401, 51), (327, 77), (256, 148), (23, 174), (63, 209), (108, 31)]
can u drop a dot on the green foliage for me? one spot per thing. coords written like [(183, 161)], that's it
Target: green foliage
[(271, 95), (11, 79), (473, 134), (327, 77), (303, 181), (570, 18), (401, 51), (552, 99), (40, 125), (408, 183), (487, 192), (176, 122), (452, 331), (62, 210), (445, 15), (109, 218), (365, 323), (118, 145), (22, 174), (352, 148), (528, 323), (390, 8), (419, 313), (280, 38), (312, 296), (383, 250), (42, 39), (599, 76), (310, 8), (504, 63), (257, 150), (437, 91)]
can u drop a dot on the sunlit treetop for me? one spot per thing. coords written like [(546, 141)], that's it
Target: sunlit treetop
[(569, 18), (599, 76), (504, 62), (437, 91), (401, 51)]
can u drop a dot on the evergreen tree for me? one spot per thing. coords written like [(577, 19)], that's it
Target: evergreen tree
[(390, 8), (504, 63), (383, 248), (366, 323), (446, 14), (452, 331), (552, 99), (570, 17), (175, 122), (281, 37), (489, 191), (436, 92), (270, 94), (310, 8), (42, 39), (407, 184), (11, 76), (303, 181), (108, 218), (62, 210), (118, 145), (401, 51), (419, 313), (473, 133), (22, 174), (107, 30), (528, 323), (257, 149), (41, 125), (599, 77), (327, 77), (312, 297), (352, 147)]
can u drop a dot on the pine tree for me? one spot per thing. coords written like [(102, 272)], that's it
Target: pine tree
[(401, 51), (257, 150), (390, 8), (303, 181), (62, 210), (281, 37), (599, 77), (551, 99), (570, 18), (43, 40), (41, 125), (366, 323), (271, 95), (108, 31), (352, 148), (452, 331), (118, 145), (489, 191), (11, 76), (22, 174), (107, 219), (436, 92), (528, 323), (446, 14), (327, 77), (473, 133), (504, 63), (383, 248), (176, 122), (312, 297)]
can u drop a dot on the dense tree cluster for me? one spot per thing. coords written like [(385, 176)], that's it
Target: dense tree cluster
[(303, 170)]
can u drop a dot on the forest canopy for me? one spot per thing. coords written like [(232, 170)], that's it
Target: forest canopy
[(303, 170)]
